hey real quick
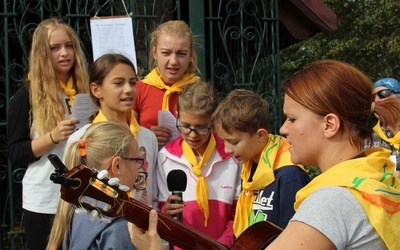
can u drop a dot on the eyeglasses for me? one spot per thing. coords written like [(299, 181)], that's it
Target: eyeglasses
[(139, 161), (384, 93), (141, 180), (185, 130)]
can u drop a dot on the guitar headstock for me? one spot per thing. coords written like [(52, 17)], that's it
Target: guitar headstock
[(92, 190)]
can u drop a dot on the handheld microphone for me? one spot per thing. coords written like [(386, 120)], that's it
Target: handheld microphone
[(177, 181)]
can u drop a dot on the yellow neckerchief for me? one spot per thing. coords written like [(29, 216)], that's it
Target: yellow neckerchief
[(133, 124), (201, 187), (69, 89), (154, 79), (394, 142), (371, 181), (274, 155)]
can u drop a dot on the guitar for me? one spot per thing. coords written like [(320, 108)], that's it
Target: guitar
[(82, 187)]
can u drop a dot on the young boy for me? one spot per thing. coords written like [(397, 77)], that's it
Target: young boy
[(269, 179)]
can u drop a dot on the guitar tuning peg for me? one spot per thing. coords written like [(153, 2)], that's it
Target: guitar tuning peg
[(94, 215), (105, 219), (123, 188), (80, 210), (102, 174), (113, 181)]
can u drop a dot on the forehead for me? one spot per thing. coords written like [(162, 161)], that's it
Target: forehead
[(166, 41), (193, 118), (57, 35)]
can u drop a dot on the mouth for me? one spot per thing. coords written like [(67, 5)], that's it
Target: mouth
[(66, 61), (128, 99)]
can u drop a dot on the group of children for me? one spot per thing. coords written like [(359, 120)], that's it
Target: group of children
[(238, 173)]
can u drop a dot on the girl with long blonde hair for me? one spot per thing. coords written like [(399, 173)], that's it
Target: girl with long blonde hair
[(39, 123)]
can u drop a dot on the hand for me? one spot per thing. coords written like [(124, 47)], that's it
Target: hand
[(163, 135), (64, 129), (144, 240), (172, 209)]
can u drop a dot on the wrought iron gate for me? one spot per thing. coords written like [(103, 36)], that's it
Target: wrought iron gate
[(239, 48)]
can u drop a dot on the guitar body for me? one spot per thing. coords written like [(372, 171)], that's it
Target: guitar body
[(81, 187)]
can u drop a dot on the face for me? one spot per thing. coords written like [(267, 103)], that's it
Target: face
[(62, 53), (129, 167), (377, 96), (173, 55), (304, 132), (117, 92), (243, 146), (197, 142)]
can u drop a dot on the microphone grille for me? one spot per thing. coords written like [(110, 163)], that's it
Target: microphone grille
[(176, 180)]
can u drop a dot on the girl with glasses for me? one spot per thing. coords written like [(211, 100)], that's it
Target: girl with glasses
[(105, 146), (213, 176)]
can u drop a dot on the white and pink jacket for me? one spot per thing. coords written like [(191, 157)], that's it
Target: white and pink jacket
[(222, 174)]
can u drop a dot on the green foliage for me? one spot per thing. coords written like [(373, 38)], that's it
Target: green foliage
[(367, 36)]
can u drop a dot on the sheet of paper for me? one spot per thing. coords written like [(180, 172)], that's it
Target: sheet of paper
[(113, 35), (83, 109), (167, 120)]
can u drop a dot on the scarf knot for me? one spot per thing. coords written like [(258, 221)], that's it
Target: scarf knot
[(68, 89), (154, 79)]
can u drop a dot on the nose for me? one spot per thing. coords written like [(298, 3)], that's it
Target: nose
[(283, 129), (63, 51), (228, 149), (173, 59)]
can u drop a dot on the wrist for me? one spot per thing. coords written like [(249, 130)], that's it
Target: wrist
[(52, 139)]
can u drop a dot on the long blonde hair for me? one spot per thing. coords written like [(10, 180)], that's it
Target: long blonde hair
[(102, 141), (47, 108)]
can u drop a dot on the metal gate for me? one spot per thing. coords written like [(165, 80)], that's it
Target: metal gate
[(239, 48)]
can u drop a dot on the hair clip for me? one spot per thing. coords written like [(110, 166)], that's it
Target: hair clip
[(82, 150)]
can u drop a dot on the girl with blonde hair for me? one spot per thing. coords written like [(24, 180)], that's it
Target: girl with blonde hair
[(174, 62), (38, 122), (108, 146)]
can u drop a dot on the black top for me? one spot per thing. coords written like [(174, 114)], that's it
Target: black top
[(18, 129)]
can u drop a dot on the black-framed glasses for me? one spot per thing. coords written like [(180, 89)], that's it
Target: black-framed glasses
[(139, 161), (384, 93), (141, 180), (185, 130)]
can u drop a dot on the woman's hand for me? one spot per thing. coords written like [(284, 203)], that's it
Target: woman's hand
[(144, 240)]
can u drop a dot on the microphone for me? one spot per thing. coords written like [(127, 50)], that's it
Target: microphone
[(177, 181)]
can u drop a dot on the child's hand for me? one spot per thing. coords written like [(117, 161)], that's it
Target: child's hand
[(173, 208), (163, 135), (63, 130), (146, 239)]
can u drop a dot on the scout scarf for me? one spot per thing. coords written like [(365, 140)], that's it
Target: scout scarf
[(394, 142), (133, 124), (69, 89), (371, 181), (274, 156), (154, 79), (201, 187)]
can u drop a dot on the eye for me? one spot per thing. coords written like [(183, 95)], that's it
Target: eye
[(132, 83), (118, 83)]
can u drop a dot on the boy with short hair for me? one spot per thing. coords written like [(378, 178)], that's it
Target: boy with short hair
[(270, 180)]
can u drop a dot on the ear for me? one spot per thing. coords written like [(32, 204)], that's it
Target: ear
[(262, 135), (332, 125), (153, 51), (115, 166), (96, 90)]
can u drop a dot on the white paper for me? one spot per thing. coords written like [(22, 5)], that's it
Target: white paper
[(83, 109), (113, 35), (167, 120)]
